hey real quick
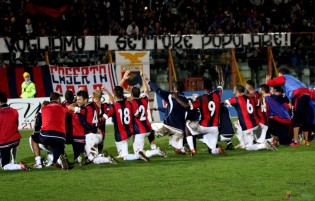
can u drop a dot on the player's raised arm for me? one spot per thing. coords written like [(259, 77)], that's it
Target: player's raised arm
[(110, 95), (162, 93), (145, 84), (125, 77)]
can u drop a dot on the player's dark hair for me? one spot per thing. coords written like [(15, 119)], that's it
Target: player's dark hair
[(3, 97), (179, 85), (69, 97), (135, 92), (240, 88), (207, 84), (265, 88), (278, 88), (45, 103), (83, 94), (250, 83), (119, 91), (54, 96), (284, 70)]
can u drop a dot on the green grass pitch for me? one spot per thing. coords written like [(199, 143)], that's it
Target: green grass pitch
[(242, 175)]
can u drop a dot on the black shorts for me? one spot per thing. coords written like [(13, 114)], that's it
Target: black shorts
[(300, 110), (35, 137)]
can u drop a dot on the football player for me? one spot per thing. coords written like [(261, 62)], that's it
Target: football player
[(261, 111), (9, 134), (121, 113), (36, 145), (53, 129), (209, 107), (88, 114), (299, 96), (174, 122), (142, 126), (246, 112)]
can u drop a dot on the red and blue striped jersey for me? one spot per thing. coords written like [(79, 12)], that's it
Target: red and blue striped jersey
[(261, 109), (264, 112), (78, 132), (209, 106), (89, 117), (246, 110), (121, 113), (140, 108)]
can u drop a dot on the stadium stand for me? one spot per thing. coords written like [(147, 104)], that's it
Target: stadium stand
[(159, 17)]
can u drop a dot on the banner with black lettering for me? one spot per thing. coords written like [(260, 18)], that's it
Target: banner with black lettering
[(95, 43), (88, 78)]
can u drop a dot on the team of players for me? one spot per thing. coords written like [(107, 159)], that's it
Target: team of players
[(83, 123)]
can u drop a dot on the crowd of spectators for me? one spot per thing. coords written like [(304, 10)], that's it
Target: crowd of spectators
[(157, 17), (113, 17)]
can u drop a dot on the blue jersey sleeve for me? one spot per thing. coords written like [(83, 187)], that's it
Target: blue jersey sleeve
[(162, 93)]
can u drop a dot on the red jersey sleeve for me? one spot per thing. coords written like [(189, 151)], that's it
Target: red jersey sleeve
[(230, 101), (195, 104), (276, 81), (110, 111)]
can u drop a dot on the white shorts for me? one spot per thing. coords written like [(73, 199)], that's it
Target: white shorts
[(165, 129), (248, 136), (211, 134), (122, 148), (176, 140), (176, 135), (91, 142), (138, 143), (196, 129)]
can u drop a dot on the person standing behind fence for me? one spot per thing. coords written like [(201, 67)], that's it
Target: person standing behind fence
[(28, 87)]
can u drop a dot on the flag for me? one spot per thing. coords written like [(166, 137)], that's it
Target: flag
[(53, 8)]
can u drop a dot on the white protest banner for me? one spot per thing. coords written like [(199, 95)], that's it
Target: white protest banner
[(135, 61), (88, 77), (94, 43)]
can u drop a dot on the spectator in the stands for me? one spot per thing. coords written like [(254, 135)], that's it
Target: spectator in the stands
[(132, 28)]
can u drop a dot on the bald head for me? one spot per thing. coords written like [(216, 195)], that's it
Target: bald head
[(97, 94)]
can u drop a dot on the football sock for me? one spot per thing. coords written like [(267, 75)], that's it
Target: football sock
[(225, 137), (151, 153), (215, 151), (100, 160), (38, 160), (190, 142), (131, 157), (153, 146), (11, 166), (256, 147), (13, 154)]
